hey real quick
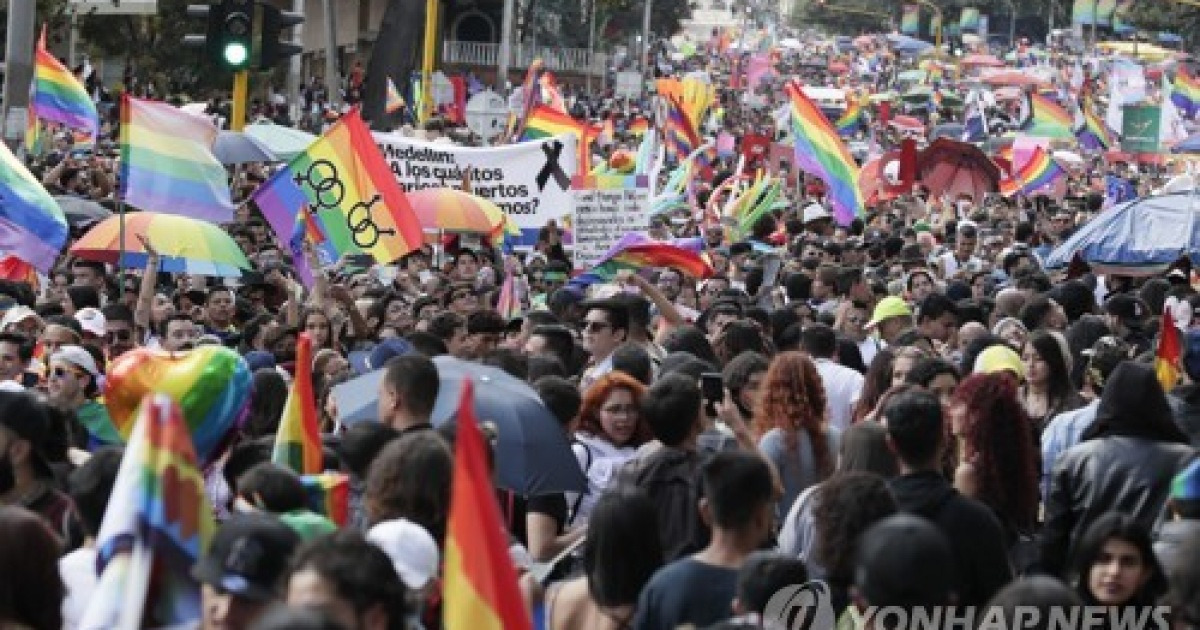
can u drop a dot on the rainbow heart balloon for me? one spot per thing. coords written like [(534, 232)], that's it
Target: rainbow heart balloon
[(211, 384)]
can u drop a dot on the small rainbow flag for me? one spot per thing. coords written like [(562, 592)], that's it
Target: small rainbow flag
[(167, 163), (394, 101), (639, 126), (1168, 353), (851, 119), (329, 495), (479, 581), (1094, 134), (1039, 172), (1186, 93), (298, 439), (544, 121), (910, 20), (58, 96), (529, 96), (821, 152), (157, 525), (1046, 118), (343, 189), (638, 251), (32, 226), (680, 135)]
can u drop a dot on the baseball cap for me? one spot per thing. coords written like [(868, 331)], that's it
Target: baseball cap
[(91, 320), (77, 356), (1108, 352), (904, 560), (1186, 485), (815, 212), (411, 548), (363, 361), (248, 556), (16, 315), (999, 358), (888, 308)]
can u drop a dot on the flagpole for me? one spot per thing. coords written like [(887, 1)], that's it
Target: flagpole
[(121, 251)]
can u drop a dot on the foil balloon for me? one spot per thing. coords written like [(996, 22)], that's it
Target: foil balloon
[(211, 384)]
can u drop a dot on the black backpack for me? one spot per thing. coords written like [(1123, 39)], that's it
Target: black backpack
[(671, 478)]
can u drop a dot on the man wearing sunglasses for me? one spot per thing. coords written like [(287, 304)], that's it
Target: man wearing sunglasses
[(120, 336), (605, 326), (72, 385)]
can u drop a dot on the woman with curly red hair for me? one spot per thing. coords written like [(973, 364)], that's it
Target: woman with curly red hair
[(997, 460), (611, 428), (790, 417)]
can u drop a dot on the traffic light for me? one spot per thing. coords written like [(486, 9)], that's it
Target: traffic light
[(275, 47), (235, 37)]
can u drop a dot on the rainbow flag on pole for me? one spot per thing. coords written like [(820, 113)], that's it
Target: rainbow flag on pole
[(1186, 93), (32, 226), (821, 152), (157, 525), (329, 495), (479, 581), (1035, 175), (58, 96), (298, 439), (1046, 118), (167, 163), (1094, 134), (679, 134), (545, 122)]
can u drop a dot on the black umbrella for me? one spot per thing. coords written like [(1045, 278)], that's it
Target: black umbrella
[(80, 211)]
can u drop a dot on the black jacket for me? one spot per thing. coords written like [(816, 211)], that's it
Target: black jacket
[(976, 538), (1185, 403)]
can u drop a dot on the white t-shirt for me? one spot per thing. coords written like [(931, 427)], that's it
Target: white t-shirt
[(843, 387), (78, 571)]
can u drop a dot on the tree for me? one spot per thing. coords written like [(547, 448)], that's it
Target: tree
[(394, 54)]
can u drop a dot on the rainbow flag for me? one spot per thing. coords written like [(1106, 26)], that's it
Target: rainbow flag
[(638, 251), (821, 152), (342, 194), (1039, 172), (1186, 93), (508, 303), (1046, 118), (910, 20), (298, 439), (1094, 134), (851, 119), (530, 96), (394, 101), (679, 135), (544, 121), (58, 96), (157, 525), (329, 495), (32, 226), (167, 163), (639, 126), (1168, 353), (550, 94), (479, 581)]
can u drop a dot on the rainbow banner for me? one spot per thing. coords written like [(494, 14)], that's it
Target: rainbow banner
[(638, 251), (821, 152), (394, 102), (58, 96), (1046, 118), (167, 163), (329, 495), (968, 20), (1040, 172), (32, 226), (1186, 93), (157, 525), (479, 581), (298, 440), (340, 196), (910, 20), (1094, 134)]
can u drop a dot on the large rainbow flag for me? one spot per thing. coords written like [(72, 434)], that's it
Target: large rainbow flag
[(638, 251), (298, 440), (1034, 176), (1046, 118), (1186, 93), (32, 226), (821, 152), (167, 163), (340, 195), (1094, 134), (679, 133), (479, 581), (157, 525), (58, 96)]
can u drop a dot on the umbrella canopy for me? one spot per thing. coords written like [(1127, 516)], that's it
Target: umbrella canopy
[(1011, 78), (906, 45), (284, 142), (236, 147), (878, 179), (907, 123), (981, 61), (452, 210), (1189, 145), (1141, 237), (80, 211), (186, 245), (952, 168)]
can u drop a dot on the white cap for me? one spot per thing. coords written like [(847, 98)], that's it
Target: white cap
[(16, 315), (77, 356), (411, 548), (91, 320), (815, 211)]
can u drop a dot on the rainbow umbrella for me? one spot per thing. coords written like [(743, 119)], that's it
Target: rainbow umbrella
[(185, 245), (452, 210)]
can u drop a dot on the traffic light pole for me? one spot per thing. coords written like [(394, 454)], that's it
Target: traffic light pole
[(241, 89)]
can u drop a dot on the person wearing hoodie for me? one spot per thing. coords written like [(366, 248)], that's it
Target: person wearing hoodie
[(1184, 524), (1124, 463), (916, 435), (1185, 399)]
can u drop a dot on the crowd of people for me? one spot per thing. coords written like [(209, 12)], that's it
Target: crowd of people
[(908, 408)]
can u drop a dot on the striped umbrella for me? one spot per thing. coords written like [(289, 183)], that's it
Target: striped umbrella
[(452, 210), (186, 245)]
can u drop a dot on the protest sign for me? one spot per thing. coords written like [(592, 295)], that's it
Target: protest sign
[(607, 207), (529, 181)]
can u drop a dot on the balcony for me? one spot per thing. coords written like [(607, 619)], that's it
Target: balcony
[(564, 60)]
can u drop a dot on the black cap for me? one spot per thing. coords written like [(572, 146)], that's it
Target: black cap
[(248, 557), (1126, 308), (904, 560)]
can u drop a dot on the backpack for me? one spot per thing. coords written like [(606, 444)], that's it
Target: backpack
[(671, 478)]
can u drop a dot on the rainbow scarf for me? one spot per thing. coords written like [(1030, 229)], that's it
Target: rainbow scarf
[(343, 196), (58, 96), (638, 251), (1046, 118), (298, 440), (1038, 173), (1186, 93), (32, 226), (157, 525), (167, 163), (851, 119), (821, 152), (479, 581), (394, 102), (329, 495), (1094, 134)]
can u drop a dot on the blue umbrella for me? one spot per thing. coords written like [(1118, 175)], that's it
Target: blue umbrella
[(1140, 237), (236, 147), (1189, 145)]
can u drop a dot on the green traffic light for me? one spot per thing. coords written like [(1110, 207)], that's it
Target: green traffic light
[(236, 54)]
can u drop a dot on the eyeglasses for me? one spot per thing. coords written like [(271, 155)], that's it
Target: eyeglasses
[(620, 410), (595, 325)]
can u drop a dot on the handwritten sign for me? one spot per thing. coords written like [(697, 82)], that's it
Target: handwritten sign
[(607, 207)]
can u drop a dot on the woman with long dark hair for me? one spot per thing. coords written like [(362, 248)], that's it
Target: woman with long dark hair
[(31, 592), (1048, 388), (876, 381), (1115, 565), (846, 505)]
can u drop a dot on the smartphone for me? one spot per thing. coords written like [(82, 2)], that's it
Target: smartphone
[(712, 387)]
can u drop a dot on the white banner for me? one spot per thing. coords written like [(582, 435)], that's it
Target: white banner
[(606, 209), (529, 181)]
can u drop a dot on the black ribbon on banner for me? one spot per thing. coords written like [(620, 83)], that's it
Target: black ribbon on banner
[(553, 151)]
